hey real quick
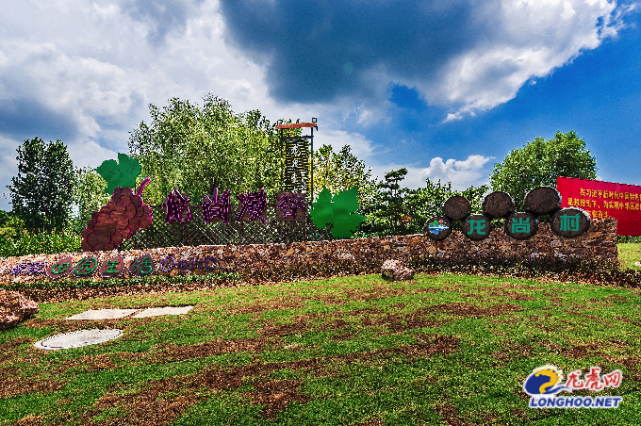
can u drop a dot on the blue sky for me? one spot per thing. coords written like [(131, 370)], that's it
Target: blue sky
[(445, 89)]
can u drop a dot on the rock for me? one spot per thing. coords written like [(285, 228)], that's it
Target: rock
[(396, 270), (14, 308)]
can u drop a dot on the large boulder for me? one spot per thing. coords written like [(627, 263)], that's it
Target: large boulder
[(396, 270), (14, 308)]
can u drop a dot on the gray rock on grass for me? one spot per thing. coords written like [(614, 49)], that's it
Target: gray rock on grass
[(15, 308), (395, 270)]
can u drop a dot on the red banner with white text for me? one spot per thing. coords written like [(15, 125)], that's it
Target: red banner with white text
[(603, 200)]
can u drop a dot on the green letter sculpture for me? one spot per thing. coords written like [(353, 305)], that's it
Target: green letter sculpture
[(339, 212)]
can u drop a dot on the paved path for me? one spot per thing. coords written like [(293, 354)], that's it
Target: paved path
[(80, 338), (99, 314)]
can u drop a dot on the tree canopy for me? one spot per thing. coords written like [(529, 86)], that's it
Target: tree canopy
[(88, 195), (42, 193), (194, 149), (540, 162), (342, 171)]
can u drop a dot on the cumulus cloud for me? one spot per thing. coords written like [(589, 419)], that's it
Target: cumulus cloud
[(463, 55), (461, 173)]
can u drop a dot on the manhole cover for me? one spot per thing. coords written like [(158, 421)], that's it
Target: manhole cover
[(77, 339)]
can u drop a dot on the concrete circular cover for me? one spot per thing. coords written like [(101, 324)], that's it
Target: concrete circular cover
[(77, 339)]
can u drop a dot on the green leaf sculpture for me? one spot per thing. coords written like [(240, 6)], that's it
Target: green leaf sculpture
[(123, 174), (340, 212)]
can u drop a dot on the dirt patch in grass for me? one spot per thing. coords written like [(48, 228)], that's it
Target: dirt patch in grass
[(513, 350), (298, 303), (275, 395), (512, 295), (615, 298), (580, 351), (10, 386), (593, 318), (450, 415), (469, 310), (150, 408)]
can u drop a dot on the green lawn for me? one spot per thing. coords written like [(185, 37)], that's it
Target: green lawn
[(630, 253), (441, 349)]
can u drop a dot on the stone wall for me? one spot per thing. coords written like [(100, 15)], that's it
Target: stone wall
[(352, 256)]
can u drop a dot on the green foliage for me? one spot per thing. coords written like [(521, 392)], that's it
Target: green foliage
[(392, 203), (540, 162), (385, 212), (339, 172), (23, 242), (339, 213), (41, 194), (119, 174), (88, 196), (194, 149), (423, 203), (10, 224)]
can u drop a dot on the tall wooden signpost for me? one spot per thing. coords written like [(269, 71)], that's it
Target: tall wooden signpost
[(297, 174)]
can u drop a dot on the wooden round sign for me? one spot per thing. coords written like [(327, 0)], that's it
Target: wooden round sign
[(570, 222), (521, 226), (477, 227), (457, 207), (438, 228), (543, 200), (498, 204)]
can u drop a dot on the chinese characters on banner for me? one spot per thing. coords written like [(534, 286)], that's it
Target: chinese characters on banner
[(215, 208), (604, 199)]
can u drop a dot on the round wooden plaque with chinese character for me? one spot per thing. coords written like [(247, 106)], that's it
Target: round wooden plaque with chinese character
[(143, 266), (521, 226), (85, 267), (112, 267), (570, 222), (438, 228), (498, 204), (543, 200), (60, 269), (457, 207), (477, 227)]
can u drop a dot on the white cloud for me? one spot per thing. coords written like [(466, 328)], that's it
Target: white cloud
[(462, 173), (531, 39)]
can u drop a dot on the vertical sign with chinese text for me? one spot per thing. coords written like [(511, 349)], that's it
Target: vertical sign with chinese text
[(604, 199)]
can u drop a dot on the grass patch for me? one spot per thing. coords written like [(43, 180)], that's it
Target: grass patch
[(355, 350), (630, 253)]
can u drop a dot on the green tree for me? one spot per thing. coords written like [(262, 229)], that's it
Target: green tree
[(10, 224), (385, 212), (88, 196), (424, 203), (341, 172), (42, 192), (540, 162), (194, 149)]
